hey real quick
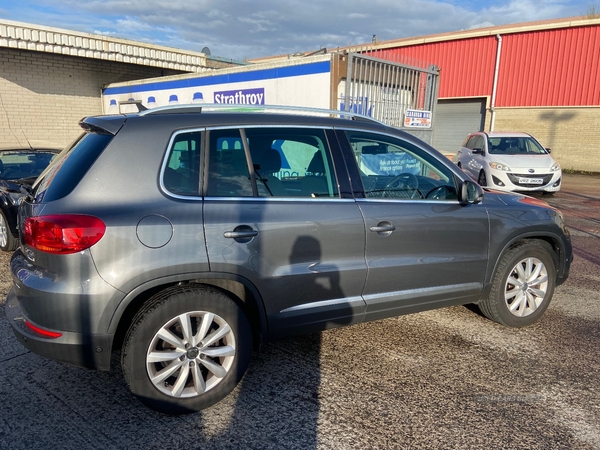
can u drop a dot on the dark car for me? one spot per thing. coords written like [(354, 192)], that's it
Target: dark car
[(186, 237), (18, 167)]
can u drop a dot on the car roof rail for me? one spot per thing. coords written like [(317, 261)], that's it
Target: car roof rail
[(210, 107)]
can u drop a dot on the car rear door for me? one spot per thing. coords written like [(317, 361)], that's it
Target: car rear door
[(274, 215)]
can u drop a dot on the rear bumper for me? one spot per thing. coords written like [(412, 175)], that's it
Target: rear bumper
[(85, 350)]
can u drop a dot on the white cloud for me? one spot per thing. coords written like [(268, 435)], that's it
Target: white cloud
[(481, 25), (104, 33), (246, 28), (358, 16)]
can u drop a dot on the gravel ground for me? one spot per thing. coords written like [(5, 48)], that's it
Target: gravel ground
[(441, 379)]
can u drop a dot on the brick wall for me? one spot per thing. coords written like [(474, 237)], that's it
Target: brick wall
[(43, 96), (573, 134)]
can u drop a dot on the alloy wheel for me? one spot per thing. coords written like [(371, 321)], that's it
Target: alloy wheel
[(190, 354), (526, 287)]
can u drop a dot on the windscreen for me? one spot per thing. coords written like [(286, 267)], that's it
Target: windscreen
[(515, 146), (24, 164)]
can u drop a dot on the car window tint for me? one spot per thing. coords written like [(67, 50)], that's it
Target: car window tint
[(292, 162), (228, 174), (181, 174), (396, 169), (69, 167)]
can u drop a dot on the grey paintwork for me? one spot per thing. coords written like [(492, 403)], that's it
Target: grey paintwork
[(306, 251), (311, 264), (437, 255)]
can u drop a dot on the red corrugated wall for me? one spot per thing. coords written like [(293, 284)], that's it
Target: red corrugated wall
[(539, 68), (467, 66)]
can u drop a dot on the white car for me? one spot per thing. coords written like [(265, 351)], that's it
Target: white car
[(509, 162)]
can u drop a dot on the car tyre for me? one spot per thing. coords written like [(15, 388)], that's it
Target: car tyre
[(522, 286), (186, 349), (482, 180), (8, 242)]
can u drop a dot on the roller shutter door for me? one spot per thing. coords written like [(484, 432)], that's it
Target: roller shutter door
[(454, 120)]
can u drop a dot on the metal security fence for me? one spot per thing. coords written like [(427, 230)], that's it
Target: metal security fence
[(384, 89)]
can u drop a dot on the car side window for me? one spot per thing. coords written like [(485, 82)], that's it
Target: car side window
[(181, 175), (471, 142), (396, 169), (477, 142), (286, 162), (228, 174), (292, 162)]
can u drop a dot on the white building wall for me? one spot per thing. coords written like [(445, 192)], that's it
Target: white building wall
[(44, 95)]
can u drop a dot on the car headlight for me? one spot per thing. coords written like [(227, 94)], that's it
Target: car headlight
[(498, 166), (555, 167), (16, 198)]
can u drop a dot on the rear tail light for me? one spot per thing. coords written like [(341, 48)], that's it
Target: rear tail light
[(62, 234)]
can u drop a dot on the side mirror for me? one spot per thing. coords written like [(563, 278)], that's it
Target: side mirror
[(478, 151), (470, 193), (549, 150)]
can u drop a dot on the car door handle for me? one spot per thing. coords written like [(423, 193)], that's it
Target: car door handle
[(240, 234), (384, 227)]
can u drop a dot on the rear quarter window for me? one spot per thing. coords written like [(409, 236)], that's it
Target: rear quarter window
[(182, 173), (66, 171)]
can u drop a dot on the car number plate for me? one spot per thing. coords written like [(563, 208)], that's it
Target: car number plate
[(531, 181)]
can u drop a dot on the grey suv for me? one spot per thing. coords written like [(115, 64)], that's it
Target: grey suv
[(187, 237)]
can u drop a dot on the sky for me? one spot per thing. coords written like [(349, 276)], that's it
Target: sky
[(246, 29)]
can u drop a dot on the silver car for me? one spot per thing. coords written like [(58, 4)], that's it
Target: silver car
[(509, 161)]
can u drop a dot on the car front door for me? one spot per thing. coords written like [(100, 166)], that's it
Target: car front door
[(273, 215), (423, 248), (474, 162)]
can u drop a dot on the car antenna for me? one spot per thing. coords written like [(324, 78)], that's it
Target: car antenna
[(28, 143), (26, 190)]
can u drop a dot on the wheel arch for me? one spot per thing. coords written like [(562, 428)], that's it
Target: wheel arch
[(557, 253), (239, 289)]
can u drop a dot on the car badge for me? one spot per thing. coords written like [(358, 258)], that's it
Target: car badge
[(531, 170)]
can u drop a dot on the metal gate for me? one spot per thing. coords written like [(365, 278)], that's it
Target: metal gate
[(384, 90)]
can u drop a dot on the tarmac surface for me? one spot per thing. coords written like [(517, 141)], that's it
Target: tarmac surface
[(441, 379)]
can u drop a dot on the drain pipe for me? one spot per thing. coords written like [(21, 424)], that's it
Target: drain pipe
[(495, 87)]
